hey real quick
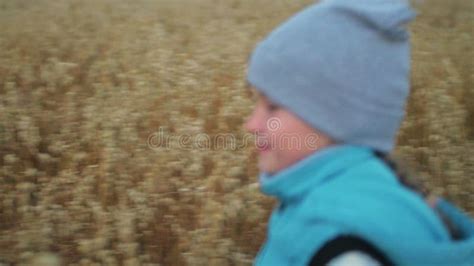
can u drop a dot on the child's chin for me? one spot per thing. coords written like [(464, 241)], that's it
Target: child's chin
[(266, 165)]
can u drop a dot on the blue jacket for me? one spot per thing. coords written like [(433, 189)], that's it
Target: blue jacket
[(346, 189)]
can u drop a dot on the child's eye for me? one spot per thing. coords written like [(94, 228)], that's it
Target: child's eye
[(273, 107)]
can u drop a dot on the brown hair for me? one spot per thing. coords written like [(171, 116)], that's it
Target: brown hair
[(403, 173), (407, 179)]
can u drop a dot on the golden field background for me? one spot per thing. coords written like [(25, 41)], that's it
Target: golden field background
[(84, 84)]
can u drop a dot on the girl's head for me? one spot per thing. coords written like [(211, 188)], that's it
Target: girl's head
[(282, 137), (338, 69)]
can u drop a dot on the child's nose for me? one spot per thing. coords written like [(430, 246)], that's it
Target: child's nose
[(249, 124), (252, 124)]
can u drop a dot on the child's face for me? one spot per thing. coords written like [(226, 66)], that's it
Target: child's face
[(282, 137)]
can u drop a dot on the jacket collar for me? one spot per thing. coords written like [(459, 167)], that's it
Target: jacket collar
[(293, 182)]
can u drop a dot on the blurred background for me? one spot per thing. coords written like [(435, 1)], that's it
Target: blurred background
[(85, 84)]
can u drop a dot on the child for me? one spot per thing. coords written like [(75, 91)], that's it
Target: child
[(332, 82)]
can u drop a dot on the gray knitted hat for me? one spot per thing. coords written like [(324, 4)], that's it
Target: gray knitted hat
[(343, 66)]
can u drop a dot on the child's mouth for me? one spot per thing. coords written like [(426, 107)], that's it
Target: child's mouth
[(262, 146)]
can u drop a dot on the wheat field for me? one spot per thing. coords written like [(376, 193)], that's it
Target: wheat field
[(84, 84)]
